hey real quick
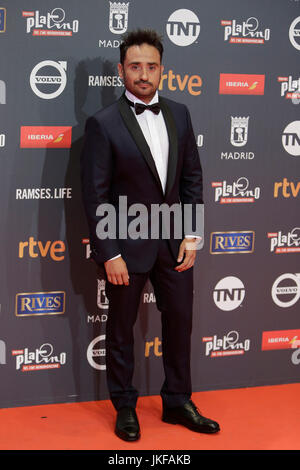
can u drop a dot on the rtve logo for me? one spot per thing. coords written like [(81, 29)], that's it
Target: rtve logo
[(55, 249), (287, 188), (176, 82), (155, 345)]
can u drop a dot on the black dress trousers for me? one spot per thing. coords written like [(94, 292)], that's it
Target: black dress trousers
[(174, 297)]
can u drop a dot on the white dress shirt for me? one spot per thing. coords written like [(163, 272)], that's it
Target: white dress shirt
[(155, 132)]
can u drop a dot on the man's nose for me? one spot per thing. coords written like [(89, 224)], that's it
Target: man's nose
[(144, 74)]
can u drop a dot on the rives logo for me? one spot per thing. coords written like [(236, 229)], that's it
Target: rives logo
[(231, 242), (40, 303), (2, 20)]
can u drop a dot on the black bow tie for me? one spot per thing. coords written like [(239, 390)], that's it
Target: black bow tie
[(140, 108)]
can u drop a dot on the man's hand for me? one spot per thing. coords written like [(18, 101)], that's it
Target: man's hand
[(188, 247), (116, 271)]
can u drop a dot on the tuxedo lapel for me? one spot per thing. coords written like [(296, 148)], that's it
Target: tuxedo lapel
[(173, 144), (138, 136)]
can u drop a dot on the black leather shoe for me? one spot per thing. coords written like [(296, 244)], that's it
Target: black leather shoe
[(189, 416), (127, 425)]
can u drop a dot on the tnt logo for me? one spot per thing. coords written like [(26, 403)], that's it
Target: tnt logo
[(291, 138), (229, 293), (183, 27)]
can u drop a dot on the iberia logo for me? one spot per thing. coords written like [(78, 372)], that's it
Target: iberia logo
[(280, 339), (241, 84), (46, 136)]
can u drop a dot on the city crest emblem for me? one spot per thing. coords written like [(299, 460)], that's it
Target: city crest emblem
[(118, 17), (239, 131), (102, 300)]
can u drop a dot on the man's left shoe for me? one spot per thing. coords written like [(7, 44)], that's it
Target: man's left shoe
[(127, 424), (189, 416)]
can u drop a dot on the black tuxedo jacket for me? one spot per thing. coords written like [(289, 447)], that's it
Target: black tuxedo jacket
[(116, 161)]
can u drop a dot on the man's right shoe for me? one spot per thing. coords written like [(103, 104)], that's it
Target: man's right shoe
[(127, 424), (189, 416)]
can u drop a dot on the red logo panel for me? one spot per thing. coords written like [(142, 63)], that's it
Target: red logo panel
[(282, 339), (241, 84), (46, 136)]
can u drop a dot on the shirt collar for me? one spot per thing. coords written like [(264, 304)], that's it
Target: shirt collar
[(134, 99)]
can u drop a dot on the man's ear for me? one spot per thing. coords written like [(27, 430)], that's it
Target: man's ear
[(120, 70)]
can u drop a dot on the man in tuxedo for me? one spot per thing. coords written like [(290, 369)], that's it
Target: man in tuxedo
[(143, 147)]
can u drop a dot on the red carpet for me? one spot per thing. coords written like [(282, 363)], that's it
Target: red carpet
[(260, 418)]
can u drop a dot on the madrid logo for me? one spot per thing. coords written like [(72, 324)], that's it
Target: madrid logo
[(102, 300), (239, 131), (118, 17), (183, 27), (52, 82), (291, 138), (286, 290)]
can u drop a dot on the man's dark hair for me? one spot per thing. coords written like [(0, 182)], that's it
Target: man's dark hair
[(138, 37)]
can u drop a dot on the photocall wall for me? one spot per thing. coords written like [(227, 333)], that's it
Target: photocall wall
[(235, 64)]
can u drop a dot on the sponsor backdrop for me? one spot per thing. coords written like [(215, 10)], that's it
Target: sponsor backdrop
[(235, 64)]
